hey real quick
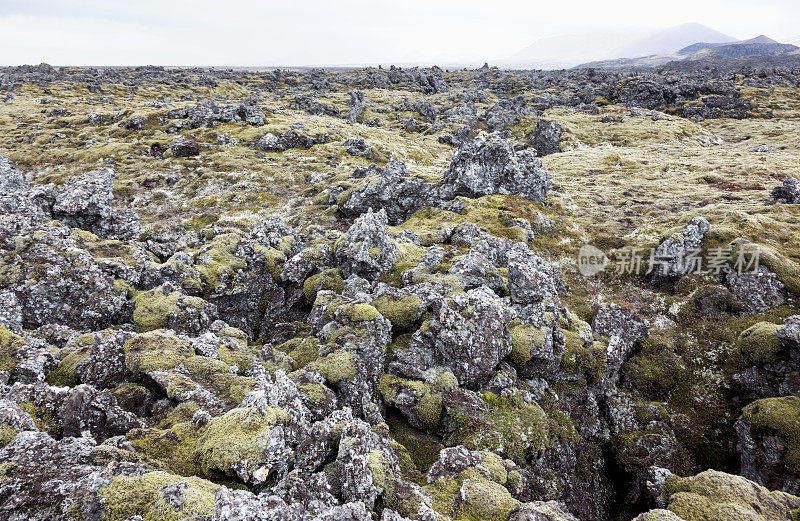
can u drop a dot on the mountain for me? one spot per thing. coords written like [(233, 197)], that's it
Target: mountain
[(758, 41), (572, 49), (567, 50), (669, 40)]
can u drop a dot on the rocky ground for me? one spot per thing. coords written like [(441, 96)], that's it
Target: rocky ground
[(361, 295)]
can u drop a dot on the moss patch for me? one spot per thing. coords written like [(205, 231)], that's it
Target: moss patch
[(783, 416), (127, 496)]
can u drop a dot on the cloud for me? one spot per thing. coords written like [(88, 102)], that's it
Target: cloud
[(246, 32)]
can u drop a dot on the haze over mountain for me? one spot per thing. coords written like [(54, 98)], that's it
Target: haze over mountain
[(571, 50)]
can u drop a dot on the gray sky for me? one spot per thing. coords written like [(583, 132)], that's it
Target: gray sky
[(320, 32)]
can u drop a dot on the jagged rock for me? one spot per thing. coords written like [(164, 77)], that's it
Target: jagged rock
[(673, 257), (789, 192), (366, 250), (56, 281), (767, 442), (468, 334), (393, 191), (623, 329), (757, 290), (185, 148), (488, 165), (96, 413), (547, 137), (357, 105)]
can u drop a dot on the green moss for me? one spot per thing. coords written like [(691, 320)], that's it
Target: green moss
[(781, 415), (273, 259), (156, 350), (428, 399), (422, 448), (485, 500), (126, 496), (65, 374), (173, 449), (7, 434), (400, 311), (655, 370), (159, 350), (359, 312), (508, 425), (239, 435), (154, 309), (330, 279), (760, 343), (218, 261), (717, 496), (302, 350), (335, 367), (9, 343), (580, 359), (525, 341), (42, 416)]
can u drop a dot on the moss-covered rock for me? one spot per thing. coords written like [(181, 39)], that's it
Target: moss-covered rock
[(218, 263), (425, 410), (9, 344), (233, 444), (525, 341), (580, 358), (335, 367), (485, 500), (128, 496), (65, 374), (760, 343), (174, 449), (156, 350), (717, 496), (780, 415), (330, 279), (402, 311)]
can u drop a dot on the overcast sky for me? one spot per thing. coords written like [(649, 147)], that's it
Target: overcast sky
[(327, 32)]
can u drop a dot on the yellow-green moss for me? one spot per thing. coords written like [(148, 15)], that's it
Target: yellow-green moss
[(330, 279), (239, 435), (525, 341), (400, 311), (7, 434), (760, 343), (428, 407), (219, 262), (154, 309), (156, 350), (781, 415), (358, 312), (336, 366), (65, 373), (485, 500), (9, 343), (577, 358), (173, 449), (717, 496), (302, 350), (126, 496)]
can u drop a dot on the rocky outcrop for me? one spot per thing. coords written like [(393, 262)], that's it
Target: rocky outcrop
[(489, 165)]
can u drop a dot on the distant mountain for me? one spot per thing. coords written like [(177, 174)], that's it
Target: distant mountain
[(669, 40), (758, 40), (570, 50), (754, 47)]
